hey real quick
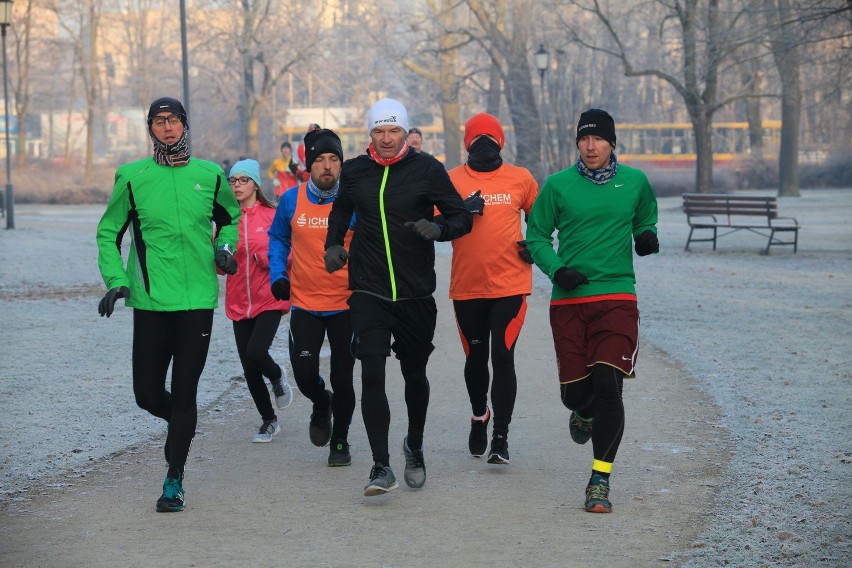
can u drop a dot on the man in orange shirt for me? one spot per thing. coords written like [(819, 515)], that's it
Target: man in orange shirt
[(488, 290)]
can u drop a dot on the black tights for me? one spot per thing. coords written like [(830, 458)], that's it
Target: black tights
[(375, 408), (598, 396), (253, 337), (182, 340)]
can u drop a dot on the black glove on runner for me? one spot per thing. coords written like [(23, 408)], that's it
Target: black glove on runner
[(335, 258), (107, 304), (524, 253), (281, 289), (427, 230), (568, 278), (225, 260), (647, 243), (475, 203)]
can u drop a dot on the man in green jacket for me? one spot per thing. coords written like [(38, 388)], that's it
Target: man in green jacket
[(598, 208), (169, 203)]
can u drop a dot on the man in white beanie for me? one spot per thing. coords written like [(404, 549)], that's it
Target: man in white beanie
[(393, 191)]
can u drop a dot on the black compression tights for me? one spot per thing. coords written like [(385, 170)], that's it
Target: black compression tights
[(599, 396), (375, 408), (182, 340), (254, 336)]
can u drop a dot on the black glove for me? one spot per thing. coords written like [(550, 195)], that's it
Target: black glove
[(426, 230), (225, 259), (475, 203), (107, 304), (293, 167), (568, 278), (335, 258), (281, 289), (647, 243), (524, 253)]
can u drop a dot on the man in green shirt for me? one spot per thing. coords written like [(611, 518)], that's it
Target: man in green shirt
[(598, 208)]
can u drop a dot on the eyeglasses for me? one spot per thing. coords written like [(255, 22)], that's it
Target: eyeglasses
[(160, 121), (238, 180)]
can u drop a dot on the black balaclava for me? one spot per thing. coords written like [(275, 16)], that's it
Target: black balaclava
[(484, 155)]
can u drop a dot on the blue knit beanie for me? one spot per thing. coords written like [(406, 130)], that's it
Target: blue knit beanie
[(248, 168)]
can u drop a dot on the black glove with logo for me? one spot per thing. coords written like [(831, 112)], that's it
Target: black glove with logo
[(335, 258), (225, 260), (107, 304), (281, 289), (647, 243), (568, 278), (524, 253), (475, 203), (427, 230)]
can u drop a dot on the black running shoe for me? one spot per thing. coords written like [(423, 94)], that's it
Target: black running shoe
[(477, 442), (382, 480), (580, 428), (320, 427), (339, 455), (499, 453), (415, 467), (171, 501), (597, 495)]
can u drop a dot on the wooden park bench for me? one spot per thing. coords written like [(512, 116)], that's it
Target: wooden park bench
[(709, 212)]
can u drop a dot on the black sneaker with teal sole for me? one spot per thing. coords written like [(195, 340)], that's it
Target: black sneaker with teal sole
[(382, 480), (172, 499)]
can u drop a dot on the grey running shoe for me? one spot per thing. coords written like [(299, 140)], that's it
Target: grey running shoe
[(268, 429), (415, 468), (580, 428), (499, 453), (171, 501), (597, 495), (283, 391), (320, 427), (339, 455), (477, 442), (382, 480)]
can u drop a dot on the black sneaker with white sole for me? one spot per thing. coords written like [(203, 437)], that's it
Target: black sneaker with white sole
[(499, 453)]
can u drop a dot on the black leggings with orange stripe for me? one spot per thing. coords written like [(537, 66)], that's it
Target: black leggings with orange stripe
[(490, 326)]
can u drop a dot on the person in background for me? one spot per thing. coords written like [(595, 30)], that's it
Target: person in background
[(170, 203), (415, 140), (393, 190), (284, 171), (305, 172), (319, 299), (256, 314), (489, 290), (598, 208)]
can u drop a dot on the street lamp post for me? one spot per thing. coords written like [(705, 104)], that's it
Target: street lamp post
[(5, 20), (542, 60)]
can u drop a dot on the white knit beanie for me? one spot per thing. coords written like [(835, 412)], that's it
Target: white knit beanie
[(387, 112)]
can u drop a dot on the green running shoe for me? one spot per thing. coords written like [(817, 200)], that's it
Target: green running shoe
[(171, 500), (580, 428)]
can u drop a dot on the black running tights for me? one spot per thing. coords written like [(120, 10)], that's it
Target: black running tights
[(253, 337), (599, 396), (182, 340)]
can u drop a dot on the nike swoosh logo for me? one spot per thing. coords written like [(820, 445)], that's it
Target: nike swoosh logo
[(623, 358), (619, 185), (204, 334)]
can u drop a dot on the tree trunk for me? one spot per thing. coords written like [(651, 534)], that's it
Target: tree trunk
[(91, 94), (448, 83), (701, 123)]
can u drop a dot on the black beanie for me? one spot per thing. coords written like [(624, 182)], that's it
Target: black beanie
[(322, 141), (596, 122), (167, 104)]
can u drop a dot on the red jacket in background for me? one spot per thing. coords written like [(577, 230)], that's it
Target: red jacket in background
[(248, 292)]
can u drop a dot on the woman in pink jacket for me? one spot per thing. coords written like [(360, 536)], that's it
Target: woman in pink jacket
[(249, 302)]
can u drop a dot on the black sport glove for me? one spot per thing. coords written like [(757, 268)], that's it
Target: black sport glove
[(293, 167), (568, 278), (281, 289), (225, 260), (335, 258), (524, 253), (647, 243), (426, 230), (475, 203), (107, 304)]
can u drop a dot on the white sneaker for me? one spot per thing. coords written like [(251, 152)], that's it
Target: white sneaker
[(283, 391), (268, 429)]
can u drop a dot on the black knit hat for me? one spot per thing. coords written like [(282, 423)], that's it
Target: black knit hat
[(596, 122), (167, 104), (322, 141)]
